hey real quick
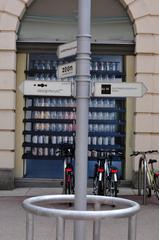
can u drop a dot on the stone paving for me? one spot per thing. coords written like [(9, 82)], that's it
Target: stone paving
[(12, 218)]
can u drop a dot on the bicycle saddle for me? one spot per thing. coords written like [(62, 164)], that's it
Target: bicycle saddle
[(152, 161)]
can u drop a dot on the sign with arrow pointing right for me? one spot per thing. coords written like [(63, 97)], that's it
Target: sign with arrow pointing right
[(103, 89)]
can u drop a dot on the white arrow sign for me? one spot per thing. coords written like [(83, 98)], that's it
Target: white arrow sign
[(123, 89), (66, 70), (45, 88), (67, 49)]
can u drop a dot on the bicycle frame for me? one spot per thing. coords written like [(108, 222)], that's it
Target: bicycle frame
[(147, 172), (105, 177)]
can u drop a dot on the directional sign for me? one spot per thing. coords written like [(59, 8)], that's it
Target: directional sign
[(45, 88), (103, 89), (66, 70), (67, 49)]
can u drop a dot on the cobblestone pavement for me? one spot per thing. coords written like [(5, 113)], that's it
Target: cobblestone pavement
[(12, 218)]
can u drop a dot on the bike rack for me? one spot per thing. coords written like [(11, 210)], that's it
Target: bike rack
[(32, 208), (142, 184)]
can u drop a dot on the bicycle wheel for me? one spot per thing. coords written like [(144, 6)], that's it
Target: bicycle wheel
[(107, 186), (113, 185), (95, 185), (69, 184), (66, 187), (72, 184), (114, 189), (148, 184), (100, 188), (156, 185)]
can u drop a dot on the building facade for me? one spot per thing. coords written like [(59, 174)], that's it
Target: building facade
[(142, 64)]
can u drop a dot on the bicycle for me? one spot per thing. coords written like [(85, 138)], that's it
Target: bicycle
[(148, 176), (67, 152), (105, 180)]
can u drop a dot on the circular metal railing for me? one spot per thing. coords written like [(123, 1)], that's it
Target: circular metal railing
[(33, 207)]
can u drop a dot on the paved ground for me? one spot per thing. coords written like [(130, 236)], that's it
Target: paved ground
[(12, 218)]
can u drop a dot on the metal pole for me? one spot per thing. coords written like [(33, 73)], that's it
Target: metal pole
[(140, 177), (82, 95), (29, 226), (96, 224), (144, 181), (60, 228), (132, 228)]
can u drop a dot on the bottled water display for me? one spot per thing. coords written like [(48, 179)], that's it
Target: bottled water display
[(51, 121)]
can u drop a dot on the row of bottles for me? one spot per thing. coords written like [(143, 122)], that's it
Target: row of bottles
[(71, 127), (46, 151), (96, 77), (52, 152), (54, 127), (109, 140), (72, 115), (69, 102), (53, 115), (41, 64), (53, 102), (44, 139)]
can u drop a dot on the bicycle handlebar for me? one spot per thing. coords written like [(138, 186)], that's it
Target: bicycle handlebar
[(136, 153), (102, 153), (66, 150)]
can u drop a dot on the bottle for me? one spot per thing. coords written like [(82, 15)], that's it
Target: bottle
[(52, 151), (95, 127), (89, 140), (53, 139), (94, 140), (46, 139), (34, 151), (40, 151), (40, 139), (105, 141), (100, 140), (35, 139), (46, 151)]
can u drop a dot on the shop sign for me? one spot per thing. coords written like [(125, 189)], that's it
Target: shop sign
[(119, 89)]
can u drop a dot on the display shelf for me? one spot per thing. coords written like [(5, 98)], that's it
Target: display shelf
[(41, 120), (51, 108), (49, 133), (40, 71), (49, 121)]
